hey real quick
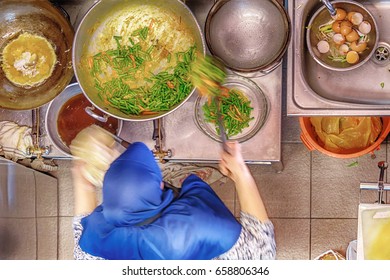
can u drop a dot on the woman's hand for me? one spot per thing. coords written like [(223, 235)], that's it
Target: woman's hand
[(232, 163), (84, 192), (79, 181)]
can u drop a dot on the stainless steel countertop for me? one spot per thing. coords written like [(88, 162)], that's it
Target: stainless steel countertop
[(188, 143), (180, 133)]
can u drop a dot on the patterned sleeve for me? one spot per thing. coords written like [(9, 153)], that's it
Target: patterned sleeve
[(256, 241), (78, 253)]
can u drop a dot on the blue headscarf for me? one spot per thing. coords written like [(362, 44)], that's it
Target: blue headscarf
[(138, 220)]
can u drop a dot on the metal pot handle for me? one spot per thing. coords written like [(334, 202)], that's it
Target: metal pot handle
[(89, 111), (260, 72), (271, 68)]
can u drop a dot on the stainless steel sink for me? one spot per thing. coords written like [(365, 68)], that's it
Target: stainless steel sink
[(315, 90)]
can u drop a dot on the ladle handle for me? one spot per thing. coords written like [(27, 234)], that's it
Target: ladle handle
[(89, 111), (330, 7)]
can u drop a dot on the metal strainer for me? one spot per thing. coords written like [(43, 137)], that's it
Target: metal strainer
[(248, 35)]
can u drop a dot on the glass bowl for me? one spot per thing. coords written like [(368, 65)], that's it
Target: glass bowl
[(259, 113)]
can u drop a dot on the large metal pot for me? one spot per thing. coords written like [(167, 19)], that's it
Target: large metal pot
[(90, 28), (53, 115), (39, 18), (248, 35)]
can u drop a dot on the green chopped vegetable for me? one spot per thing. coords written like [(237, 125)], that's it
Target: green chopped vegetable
[(382, 85), (235, 110), (113, 69), (207, 75), (339, 58), (141, 32), (353, 164), (326, 28)]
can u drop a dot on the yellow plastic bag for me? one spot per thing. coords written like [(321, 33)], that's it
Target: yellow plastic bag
[(380, 247), (347, 133)]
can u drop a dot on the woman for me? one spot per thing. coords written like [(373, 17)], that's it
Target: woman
[(141, 219)]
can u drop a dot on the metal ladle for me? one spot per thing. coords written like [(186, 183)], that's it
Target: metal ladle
[(330, 7)]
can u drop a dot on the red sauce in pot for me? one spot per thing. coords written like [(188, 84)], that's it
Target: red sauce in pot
[(72, 118)]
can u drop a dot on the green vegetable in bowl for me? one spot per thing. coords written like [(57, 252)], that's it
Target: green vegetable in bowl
[(235, 110)]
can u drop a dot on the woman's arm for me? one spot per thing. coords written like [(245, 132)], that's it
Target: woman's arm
[(232, 165), (85, 200)]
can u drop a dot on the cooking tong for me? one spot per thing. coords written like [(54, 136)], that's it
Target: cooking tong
[(221, 126)]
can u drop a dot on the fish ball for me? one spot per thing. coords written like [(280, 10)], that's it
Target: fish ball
[(352, 57), (345, 30), (358, 47), (340, 14), (323, 46), (339, 39), (365, 27), (343, 49), (349, 15), (336, 26), (356, 18), (347, 23), (353, 36)]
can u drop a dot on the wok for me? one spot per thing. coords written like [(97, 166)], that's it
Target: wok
[(248, 35), (39, 18), (88, 40)]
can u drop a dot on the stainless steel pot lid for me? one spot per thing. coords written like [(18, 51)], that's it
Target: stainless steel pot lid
[(247, 35)]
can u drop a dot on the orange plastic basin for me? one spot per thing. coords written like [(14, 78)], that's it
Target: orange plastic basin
[(310, 139)]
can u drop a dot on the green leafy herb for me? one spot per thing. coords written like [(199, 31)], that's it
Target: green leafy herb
[(382, 85)]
